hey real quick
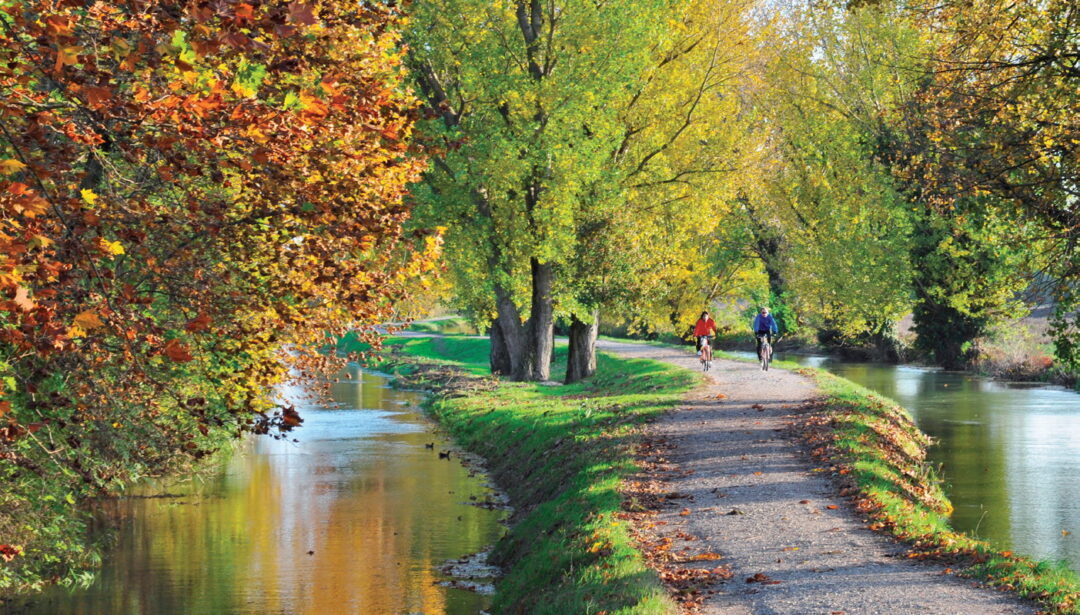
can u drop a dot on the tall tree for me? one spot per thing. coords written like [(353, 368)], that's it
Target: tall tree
[(658, 210), (822, 192), (521, 91)]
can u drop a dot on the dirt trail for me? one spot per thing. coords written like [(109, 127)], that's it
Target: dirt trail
[(746, 487)]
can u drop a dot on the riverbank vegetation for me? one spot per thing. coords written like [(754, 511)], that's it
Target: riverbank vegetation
[(187, 190), (879, 455), (561, 453)]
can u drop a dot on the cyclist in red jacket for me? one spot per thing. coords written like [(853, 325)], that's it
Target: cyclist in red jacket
[(704, 329)]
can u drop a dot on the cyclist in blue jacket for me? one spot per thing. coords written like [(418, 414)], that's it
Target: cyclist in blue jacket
[(764, 325)]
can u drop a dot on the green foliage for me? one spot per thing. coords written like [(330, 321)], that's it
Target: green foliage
[(992, 133), (831, 77), (524, 131), (569, 552), (617, 172), (781, 308), (969, 277)]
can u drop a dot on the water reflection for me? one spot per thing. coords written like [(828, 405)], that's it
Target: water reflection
[(355, 518), (1010, 453)]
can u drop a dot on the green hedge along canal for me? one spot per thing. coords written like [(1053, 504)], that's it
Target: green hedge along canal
[(356, 517)]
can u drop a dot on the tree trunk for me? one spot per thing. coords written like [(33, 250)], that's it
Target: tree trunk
[(500, 355), (581, 359), (511, 334), (539, 335)]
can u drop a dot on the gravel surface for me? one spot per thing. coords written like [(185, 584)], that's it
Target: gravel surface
[(755, 498)]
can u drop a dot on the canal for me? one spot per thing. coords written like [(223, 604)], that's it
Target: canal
[(358, 516)]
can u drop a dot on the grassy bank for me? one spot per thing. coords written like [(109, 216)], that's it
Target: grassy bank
[(560, 452), (879, 454)]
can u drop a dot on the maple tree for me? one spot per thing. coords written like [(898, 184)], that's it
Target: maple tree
[(193, 197)]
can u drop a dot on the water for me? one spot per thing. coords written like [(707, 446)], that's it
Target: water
[(355, 518), (1009, 452)]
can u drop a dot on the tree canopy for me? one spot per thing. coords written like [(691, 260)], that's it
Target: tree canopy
[(193, 196)]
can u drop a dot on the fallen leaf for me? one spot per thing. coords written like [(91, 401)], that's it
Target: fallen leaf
[(704, 557), (762, 578)]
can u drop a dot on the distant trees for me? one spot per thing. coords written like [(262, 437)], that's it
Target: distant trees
[(999, 137), (882, 217)]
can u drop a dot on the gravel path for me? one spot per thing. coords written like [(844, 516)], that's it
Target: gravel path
[(747, 484)]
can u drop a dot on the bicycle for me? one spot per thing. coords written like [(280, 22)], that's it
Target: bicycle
[(705, 354), (766, 353)]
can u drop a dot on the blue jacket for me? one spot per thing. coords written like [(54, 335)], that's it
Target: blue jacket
[(767, 323)]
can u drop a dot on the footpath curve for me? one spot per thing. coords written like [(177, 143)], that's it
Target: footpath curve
[(747, 482)]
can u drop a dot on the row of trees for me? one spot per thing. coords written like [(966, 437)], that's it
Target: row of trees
[(853, 161), (186, 190), (579, 152), (193, 195)]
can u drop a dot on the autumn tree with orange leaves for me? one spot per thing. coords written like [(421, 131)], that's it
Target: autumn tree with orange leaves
[(186, 189)]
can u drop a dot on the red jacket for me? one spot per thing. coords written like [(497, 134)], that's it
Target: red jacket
[(705, 326)]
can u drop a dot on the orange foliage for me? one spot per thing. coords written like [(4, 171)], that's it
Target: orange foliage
[(187, 188)]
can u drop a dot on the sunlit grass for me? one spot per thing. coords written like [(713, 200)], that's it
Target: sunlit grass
[(561, 453)]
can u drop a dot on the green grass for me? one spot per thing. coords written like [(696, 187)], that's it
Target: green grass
[(466, 354), (561, 453), (450, 326), (876, 447)]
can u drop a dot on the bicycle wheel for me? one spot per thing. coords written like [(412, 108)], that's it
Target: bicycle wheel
[(766, 357)]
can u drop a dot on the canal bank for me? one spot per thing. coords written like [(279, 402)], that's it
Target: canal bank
[(561, 453), (1008, 452)]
